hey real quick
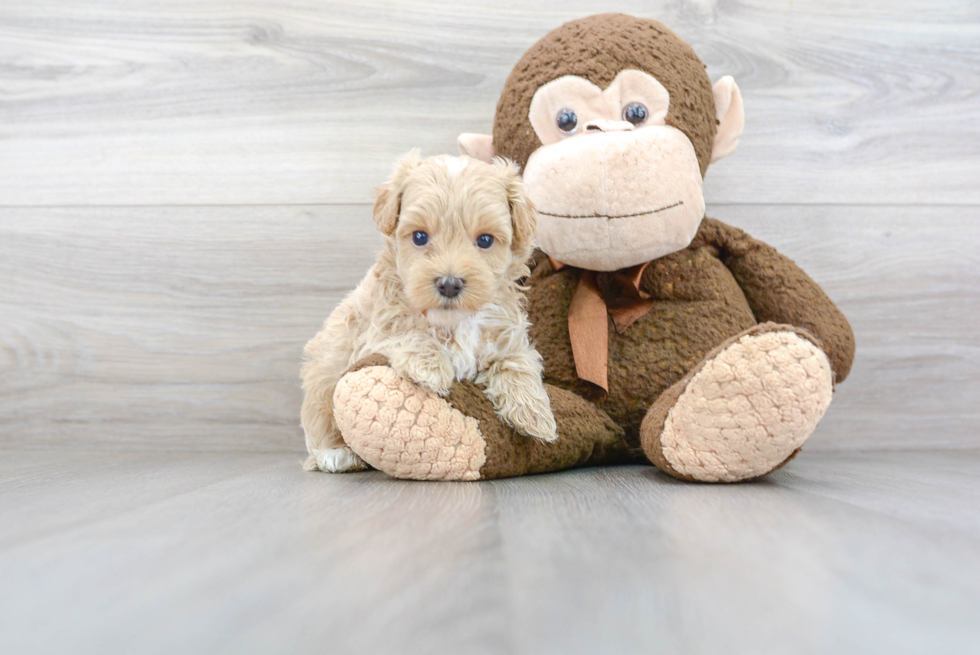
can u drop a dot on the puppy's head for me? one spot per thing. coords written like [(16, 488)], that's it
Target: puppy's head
[(460, 230)]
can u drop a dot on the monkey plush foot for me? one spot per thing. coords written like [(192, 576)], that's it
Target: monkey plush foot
[(410, 433), (405, 431), (745, 411)]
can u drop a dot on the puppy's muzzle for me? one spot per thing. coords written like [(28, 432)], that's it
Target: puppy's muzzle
[(449, 287)]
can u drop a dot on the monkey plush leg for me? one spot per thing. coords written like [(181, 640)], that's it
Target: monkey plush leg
[(744, 411), (410, 433)]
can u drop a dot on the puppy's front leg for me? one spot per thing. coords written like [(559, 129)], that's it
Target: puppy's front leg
[(425, 365), (514, 386)]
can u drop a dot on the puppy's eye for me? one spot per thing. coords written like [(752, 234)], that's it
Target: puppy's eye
[(484, 241), (567, 120), (635, 113), (420, 238)]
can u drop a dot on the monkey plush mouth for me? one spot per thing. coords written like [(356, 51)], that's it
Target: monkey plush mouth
[(608, 217), (612, 200)]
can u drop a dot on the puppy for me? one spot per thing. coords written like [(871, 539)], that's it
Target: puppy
[(442, 302)]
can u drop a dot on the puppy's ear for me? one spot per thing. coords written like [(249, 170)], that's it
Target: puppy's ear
[(388, 204), (522, 213)]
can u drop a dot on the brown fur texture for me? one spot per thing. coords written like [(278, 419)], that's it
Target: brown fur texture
[(700, 302), (597, 48), (588, 435)]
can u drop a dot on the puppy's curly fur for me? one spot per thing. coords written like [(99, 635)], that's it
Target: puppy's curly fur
[(432, 214)]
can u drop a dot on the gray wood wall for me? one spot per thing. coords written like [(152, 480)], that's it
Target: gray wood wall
[(185, 189)]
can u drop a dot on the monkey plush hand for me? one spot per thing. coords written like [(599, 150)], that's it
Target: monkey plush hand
[(667, 336)]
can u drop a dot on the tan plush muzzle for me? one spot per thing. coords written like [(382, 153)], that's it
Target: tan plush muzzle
[(635, 195)]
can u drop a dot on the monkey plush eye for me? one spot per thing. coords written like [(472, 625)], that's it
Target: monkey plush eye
[(420, 238), (635, 113), (567, 120), (484, 241)]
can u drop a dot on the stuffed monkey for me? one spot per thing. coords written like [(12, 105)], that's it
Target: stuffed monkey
[(667, 336)]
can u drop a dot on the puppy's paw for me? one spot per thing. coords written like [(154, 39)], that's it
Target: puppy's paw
[(539, 426), (431, 373), (339, 460), (532, 418)]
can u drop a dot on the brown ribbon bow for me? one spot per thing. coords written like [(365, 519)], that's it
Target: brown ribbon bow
[(618, 294)]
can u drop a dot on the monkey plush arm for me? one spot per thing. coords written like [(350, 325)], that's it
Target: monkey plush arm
[(779, 291)]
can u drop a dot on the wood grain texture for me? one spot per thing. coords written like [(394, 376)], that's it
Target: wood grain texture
[(181, 328), (259, 102), (232, 553), (171, 327)]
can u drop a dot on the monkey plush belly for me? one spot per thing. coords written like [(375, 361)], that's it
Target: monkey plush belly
[(697, 305)]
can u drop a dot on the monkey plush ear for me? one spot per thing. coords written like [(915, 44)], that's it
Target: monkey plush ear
[(477, 146), (388, 204), (731, 117), (522, 213)]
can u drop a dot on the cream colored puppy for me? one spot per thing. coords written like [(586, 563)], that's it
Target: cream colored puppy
[(442, 302)]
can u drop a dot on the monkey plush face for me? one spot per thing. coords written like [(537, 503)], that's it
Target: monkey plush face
[(614, 185), (615, 122)]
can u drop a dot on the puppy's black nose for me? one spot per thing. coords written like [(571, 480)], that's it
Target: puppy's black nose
[(449, 287)]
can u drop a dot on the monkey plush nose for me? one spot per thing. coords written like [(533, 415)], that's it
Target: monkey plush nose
[(449, 287), (600, 125)]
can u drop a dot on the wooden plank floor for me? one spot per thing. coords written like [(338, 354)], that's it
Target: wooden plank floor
[(232, 553)]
